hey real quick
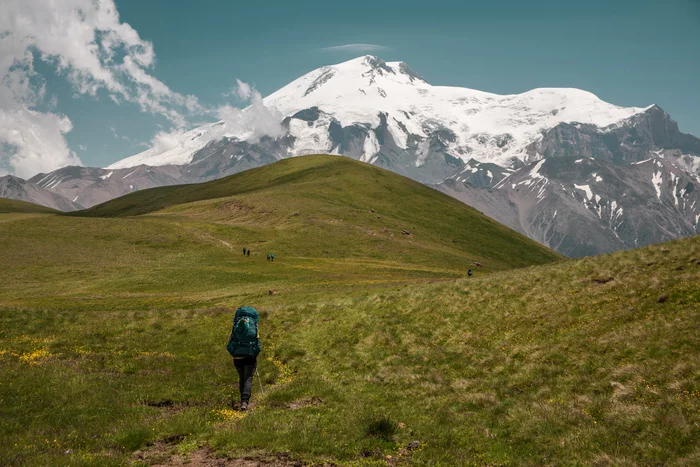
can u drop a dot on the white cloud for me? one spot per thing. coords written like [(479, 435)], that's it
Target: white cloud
[(355, 48), (165, 141), (34, 142), (88, 43), (252, 122), (243, 90)]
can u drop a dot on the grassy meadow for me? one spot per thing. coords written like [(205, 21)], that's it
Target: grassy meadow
[(113, 325)]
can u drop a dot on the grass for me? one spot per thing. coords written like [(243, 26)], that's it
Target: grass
[(11, 209), (113, 333), (8, 206), (333, 206)]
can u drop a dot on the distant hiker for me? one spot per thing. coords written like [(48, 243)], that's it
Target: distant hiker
[(272, 257), (244, 250), (469, 273), (248, 252), (268, 256), (244, 346)]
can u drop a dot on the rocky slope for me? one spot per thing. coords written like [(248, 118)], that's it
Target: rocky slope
[(591, 190), (16, 188), (89, 186)]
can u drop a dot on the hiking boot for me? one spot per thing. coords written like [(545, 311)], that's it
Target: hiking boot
[(244, 406)]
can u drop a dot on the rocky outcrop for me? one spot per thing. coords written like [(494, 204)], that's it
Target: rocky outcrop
[(593, 190), (16, 188)]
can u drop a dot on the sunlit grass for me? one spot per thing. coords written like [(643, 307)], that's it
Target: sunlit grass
[(113, 333)]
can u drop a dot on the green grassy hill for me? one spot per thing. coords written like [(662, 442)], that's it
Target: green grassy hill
[(112, 332), (332, 206), (11, 206)]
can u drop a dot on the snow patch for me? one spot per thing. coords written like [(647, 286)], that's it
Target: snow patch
[(587, 189), (656, 179), (535, 172), (105, 177), (675, 180), (54, 182), (130, 173), (423, 151)]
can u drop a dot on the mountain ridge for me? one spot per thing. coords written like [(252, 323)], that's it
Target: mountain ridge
[(465, 143), (16, 188), (354, 91)]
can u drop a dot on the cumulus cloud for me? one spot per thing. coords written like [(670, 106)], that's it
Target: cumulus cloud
[(166, 140), (243, 90), (87, 42), (32, 142), (355, 48), (252, 122)]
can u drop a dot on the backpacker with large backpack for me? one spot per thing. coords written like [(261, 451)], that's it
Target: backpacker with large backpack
[(244, 341)]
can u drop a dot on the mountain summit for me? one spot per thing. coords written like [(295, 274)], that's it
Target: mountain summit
[(352, 108)]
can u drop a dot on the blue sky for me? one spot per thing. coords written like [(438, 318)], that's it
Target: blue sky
[(630, 53)]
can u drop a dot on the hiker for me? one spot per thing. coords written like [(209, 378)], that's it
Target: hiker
[(244, 346), (272, 257), (268, 256), (244, 251), (248, 252), (469, 273)]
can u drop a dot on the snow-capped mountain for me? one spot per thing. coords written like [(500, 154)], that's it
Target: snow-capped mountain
[(596, 190), (578, 174), (353, 107)]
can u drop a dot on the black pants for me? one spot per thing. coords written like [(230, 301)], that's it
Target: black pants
[(246, 369)]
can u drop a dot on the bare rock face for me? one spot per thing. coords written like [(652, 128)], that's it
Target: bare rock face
[(88, 186), (590, 190), (19, 189)]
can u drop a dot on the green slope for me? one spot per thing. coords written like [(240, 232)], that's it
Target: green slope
[(329, 206), (112, 331), (15, 206)]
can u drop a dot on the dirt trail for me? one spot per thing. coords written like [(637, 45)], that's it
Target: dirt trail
[(164, 455)]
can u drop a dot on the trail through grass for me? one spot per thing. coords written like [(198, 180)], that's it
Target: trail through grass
[(113, 333)]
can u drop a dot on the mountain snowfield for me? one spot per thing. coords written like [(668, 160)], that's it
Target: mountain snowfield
[(486, 127)]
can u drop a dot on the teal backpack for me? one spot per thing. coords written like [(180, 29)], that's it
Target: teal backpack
[(244, 340)]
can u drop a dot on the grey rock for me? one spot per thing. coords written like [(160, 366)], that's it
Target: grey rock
[(89, 186), (16, 188)]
